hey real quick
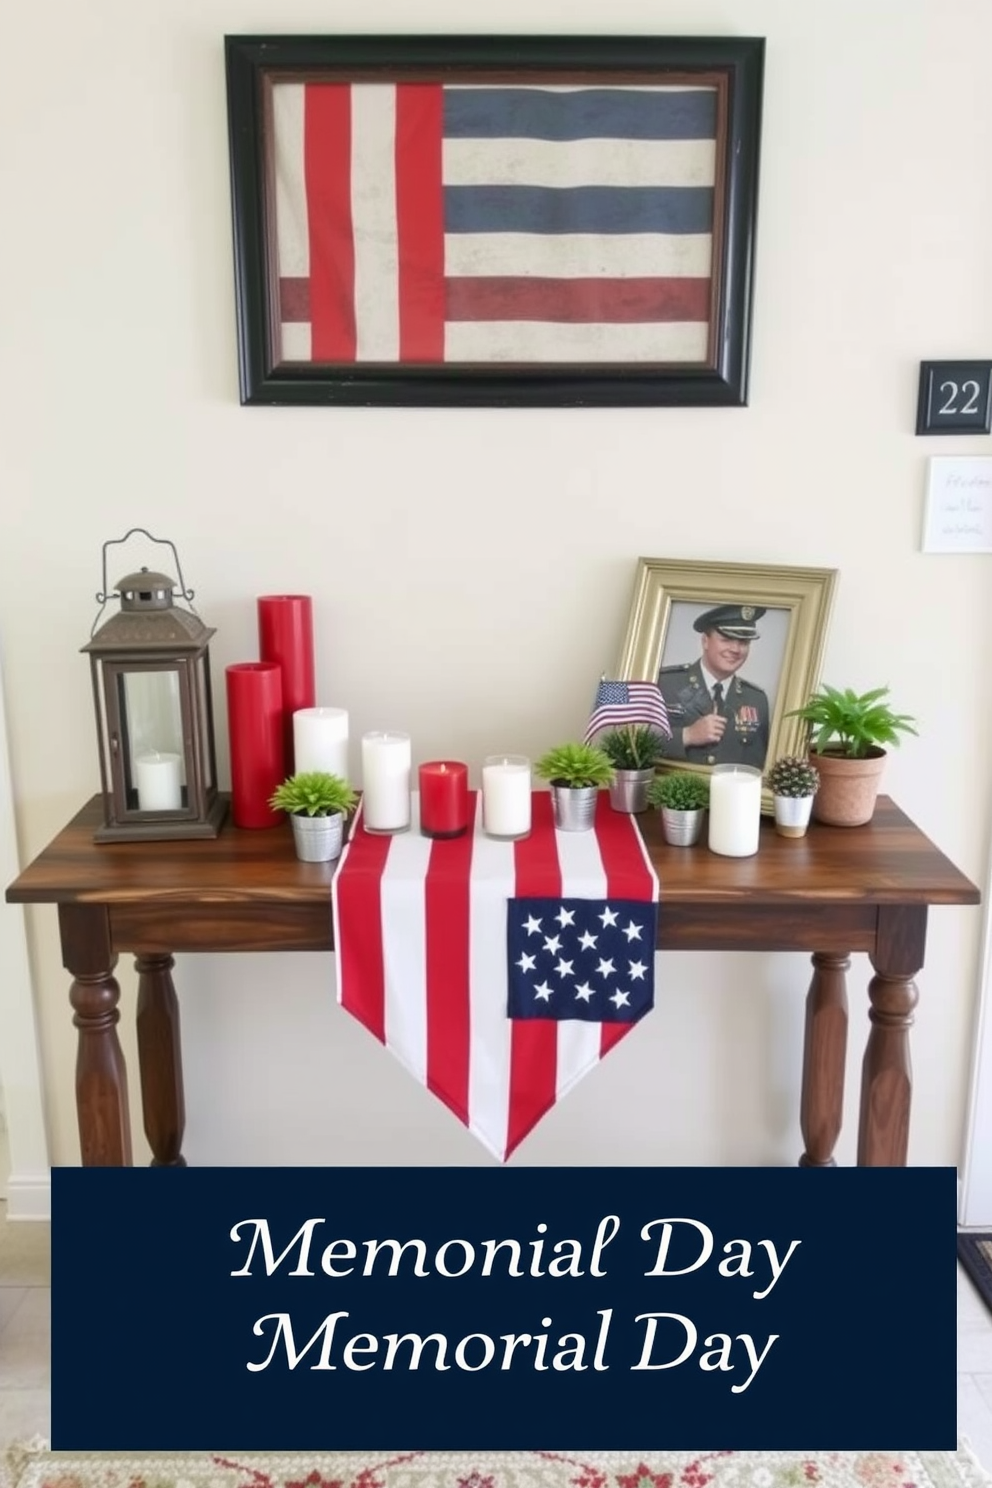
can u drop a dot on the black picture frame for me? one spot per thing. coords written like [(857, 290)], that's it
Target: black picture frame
[(731, 66), (954, 398)]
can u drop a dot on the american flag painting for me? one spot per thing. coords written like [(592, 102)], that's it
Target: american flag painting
[(425, 223), (498, 973)]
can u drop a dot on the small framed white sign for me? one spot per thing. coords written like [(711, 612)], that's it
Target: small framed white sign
[(958, 516)]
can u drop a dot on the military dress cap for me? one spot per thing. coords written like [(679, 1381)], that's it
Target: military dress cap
[(736, 622)]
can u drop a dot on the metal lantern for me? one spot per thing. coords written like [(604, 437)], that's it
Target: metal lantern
[(154, 716)]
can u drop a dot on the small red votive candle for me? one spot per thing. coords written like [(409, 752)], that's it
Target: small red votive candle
[(443, 798)]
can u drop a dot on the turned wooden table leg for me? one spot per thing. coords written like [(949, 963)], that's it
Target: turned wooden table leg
[(160, 1060), (101, 1077), (886, 1074), (821, 1108)]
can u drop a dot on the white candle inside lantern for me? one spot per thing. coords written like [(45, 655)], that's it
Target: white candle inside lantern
[(386, 781), (159, 782), (506, 795), (735, 810), (320, 740)]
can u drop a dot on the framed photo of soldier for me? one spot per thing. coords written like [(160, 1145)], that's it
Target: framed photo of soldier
[(734, 648)]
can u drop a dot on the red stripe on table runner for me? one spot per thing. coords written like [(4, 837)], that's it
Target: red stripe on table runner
[(579, 301), (627, 877), (448, 920), (327, 172), (360, 961), (534, 1041), (420, 222)]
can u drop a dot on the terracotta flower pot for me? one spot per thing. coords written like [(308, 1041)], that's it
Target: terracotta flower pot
[(848, 788)]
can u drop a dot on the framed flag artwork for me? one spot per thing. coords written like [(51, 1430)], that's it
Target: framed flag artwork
[(734, 648), (494, 220)]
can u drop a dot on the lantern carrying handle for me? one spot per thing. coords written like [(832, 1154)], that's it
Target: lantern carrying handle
[(106, 595)]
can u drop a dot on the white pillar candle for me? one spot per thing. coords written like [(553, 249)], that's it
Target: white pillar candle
[(386, 782), (320, 740), (158, 780), (735, 810), (506, 795)]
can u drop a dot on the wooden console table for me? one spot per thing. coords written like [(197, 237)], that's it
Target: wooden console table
[(833, 892)]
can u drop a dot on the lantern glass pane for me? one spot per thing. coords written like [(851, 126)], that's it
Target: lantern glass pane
[(152, 729), (206, 721)]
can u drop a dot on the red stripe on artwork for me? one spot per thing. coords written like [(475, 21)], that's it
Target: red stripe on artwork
[(420, 222), (327, 172), (360, 961), (534, 1041), (627, 877), (579, 301), (447, 915)]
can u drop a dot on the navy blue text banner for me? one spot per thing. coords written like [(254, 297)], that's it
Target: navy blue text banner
[(530, 1308)]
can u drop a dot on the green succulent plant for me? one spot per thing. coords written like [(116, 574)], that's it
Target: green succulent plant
[(679, 791), (851, 724), (636, 746), (313, 793), (576, 765), (792, 776)]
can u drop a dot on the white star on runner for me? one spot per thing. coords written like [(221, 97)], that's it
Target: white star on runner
[(526, 963), (552, 943), (637, 970), (531, 925), (605, 968), (584, 992), (565, 917), (543, 992), (621, 999), (632, 931), (608, 917), (564, 968), (587, 941)]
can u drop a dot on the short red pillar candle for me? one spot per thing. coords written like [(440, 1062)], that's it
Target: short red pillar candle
[(443, 798), (285, 636), (255, 731)]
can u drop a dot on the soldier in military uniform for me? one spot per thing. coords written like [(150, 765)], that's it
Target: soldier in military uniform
[(717, 716)]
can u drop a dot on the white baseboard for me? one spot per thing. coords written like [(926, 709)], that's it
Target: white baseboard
[(29, 1196)]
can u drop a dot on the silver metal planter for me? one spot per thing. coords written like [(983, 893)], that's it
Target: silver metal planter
[(574, 807), (318, 838), (629, 791), (681, 828), (792, 814)]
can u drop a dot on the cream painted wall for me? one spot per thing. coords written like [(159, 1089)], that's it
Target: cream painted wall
[(471, 570)]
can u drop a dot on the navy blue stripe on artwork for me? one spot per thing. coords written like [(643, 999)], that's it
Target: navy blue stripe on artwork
[(578, 209), (586, 113)]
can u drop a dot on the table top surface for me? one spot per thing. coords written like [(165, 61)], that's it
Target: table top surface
[(888, 861)]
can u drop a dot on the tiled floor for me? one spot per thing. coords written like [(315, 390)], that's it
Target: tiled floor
[(25, 1311)]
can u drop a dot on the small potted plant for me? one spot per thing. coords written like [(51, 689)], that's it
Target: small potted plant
[(634, 750), (316, 803), (682, 797), (793, 783), (576, 774), (849, 735)]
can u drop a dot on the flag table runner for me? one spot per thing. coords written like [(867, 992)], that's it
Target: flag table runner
[(498, 973), (429, 223)]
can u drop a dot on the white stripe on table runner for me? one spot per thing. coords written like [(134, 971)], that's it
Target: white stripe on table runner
[(404, 946), (373, 209), (583, 876), (492, 883)]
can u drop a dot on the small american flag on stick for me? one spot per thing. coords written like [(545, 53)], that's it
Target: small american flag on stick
[(623, 703)]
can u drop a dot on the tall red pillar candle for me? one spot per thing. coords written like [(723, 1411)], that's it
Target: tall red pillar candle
[(443, 798), (285, 636), (255, 732)]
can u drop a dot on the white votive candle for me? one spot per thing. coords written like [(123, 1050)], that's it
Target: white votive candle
[(735, 810), (320, 741), (159, 783), (386, 781), (506, 795)]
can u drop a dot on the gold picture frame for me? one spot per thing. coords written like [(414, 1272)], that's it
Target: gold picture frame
[(787, 608)]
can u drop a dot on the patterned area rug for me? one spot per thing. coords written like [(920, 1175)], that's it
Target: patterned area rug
[(975, 1255), (31, 1466)]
